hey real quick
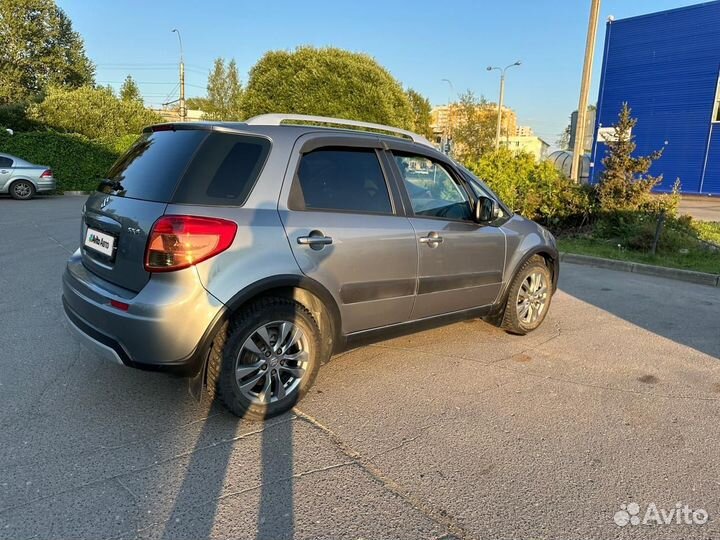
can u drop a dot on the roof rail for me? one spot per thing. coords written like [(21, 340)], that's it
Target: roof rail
[(276, 119)]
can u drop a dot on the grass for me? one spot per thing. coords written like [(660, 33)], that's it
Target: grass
[(697, 258)]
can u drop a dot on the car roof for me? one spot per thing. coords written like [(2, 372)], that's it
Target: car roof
[(289, 133)]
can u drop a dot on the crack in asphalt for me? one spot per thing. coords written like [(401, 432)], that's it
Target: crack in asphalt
[(128, 442), (442, 518), (232, 494), (146, 467)]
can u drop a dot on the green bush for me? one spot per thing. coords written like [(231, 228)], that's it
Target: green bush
[(536, 190), (14, 116), (77, 162), (95, 113)]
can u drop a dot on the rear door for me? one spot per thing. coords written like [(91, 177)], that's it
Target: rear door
[(118, 217), (194, 167), (347, 229), (461, 262)]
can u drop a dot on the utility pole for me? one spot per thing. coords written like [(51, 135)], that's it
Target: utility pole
[(183, 109), (579, 147), (448, 124), (500, 100)]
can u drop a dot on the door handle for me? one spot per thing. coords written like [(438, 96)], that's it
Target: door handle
[(316, 240), (4, 172), (432, 239)]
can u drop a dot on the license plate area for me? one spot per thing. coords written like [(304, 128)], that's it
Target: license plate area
[(100, 243)]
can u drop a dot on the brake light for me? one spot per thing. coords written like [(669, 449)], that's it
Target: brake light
[(177, 242), (46, 174)]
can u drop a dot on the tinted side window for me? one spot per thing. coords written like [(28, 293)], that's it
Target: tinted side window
[(5, 162), (152, 167), (432, 190), (341, 179), (224, 170)]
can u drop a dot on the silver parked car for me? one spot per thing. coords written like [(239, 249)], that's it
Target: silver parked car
[(22, 179), (244, 255)]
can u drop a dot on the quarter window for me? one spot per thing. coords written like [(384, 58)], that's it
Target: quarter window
[(5, 162), (432, 190), (342, 179)]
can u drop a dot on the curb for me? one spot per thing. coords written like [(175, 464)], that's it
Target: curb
[(701, 278), (76, 193)]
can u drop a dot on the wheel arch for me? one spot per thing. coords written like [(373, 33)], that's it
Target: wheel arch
[(552, 260), (21, 178), (306, 291)]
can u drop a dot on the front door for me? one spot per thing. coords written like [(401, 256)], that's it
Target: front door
[(461, 262), (340, 219)]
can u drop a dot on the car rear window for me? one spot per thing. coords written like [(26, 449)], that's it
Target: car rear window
[(189, 166), (224, 170), (151, 168)]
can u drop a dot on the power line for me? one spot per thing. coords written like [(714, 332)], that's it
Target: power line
[(137, 82)]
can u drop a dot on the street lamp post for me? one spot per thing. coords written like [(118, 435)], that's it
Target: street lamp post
[(500, 100), (183, 110), (448, 119)]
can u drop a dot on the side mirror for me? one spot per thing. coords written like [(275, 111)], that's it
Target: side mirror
[(486, 210)]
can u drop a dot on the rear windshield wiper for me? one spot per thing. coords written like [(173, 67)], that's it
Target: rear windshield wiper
[(115, 185)]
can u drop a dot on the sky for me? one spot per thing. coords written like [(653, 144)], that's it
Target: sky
[(420, 42)]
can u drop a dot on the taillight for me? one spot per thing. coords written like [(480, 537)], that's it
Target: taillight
[(46, 174), (177, 242)]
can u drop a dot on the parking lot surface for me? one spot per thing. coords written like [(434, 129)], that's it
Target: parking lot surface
[(457, 432)]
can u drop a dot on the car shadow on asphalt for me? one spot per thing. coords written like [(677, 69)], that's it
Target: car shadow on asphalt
[(688, 312), (203, 489)]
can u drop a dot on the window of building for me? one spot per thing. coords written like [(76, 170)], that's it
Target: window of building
[(342, 179)]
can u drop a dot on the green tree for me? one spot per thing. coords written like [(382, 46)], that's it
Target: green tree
[(129, 91), (474, 131), (224, 92), (421, 113), (38, 48), (197, 103), (563, 140), (624, 183), (93, 112), (328, 82)]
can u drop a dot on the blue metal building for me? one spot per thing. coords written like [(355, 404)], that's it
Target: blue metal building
[(666, 66)]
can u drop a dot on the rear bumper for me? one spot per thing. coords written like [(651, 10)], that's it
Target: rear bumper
[(168, 326), (45, 185)]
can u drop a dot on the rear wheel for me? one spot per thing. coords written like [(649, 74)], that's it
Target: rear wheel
[(267, 359), (22, 190), (529, 297)]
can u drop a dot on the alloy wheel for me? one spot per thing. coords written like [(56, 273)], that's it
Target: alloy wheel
[(272, 362), (22, 190), (532, 298)]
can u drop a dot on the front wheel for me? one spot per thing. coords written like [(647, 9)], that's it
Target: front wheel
[(266, 360), (528, 298), (22, 190)]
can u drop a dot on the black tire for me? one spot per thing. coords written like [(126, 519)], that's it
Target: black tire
[(511, 320), (22, 190), (227, 354)]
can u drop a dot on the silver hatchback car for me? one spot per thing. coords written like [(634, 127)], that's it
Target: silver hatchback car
[(22, 179), (243, 255)]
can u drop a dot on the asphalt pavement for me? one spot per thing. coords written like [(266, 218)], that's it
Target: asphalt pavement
[(457, 432), (701, 208)]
